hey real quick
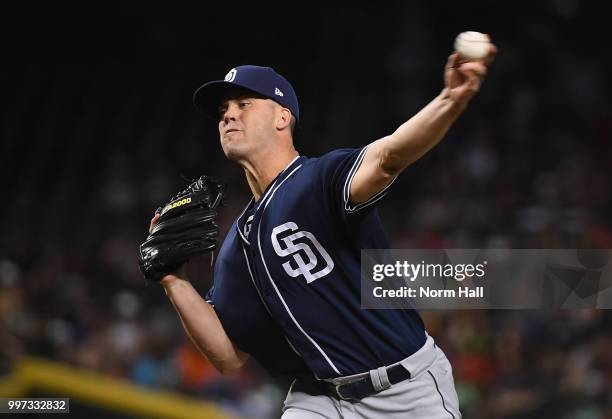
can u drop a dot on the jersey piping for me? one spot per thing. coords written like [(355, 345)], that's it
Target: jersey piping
[(246, 260), (314, 343), (347, 187)]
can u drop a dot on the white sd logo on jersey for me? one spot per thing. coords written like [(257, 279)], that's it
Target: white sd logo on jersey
[(291, 248)]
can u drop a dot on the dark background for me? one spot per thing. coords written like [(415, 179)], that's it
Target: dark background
[(97, 130)]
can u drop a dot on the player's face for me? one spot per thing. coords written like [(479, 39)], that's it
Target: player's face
[(246, 124)]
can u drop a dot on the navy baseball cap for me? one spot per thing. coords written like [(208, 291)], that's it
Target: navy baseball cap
[(262, 80)]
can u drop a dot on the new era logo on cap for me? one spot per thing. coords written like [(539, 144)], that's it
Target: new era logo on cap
[(262, 80)]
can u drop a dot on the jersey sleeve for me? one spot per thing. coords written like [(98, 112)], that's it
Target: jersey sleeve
[(335, 172)]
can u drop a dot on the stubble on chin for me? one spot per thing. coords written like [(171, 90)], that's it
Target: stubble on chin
[(232, 153)]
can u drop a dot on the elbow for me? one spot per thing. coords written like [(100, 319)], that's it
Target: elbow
[(229, 367), (224, 370), (390, 165)]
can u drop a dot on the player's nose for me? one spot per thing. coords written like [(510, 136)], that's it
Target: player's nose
[(230, 113)]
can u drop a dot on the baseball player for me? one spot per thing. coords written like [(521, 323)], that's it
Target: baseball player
[(287, 279)]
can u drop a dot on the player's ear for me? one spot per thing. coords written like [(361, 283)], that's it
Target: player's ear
[(283, 119)]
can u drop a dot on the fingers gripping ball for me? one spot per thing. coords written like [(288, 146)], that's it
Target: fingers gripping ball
[(186, 227), (472, 45)]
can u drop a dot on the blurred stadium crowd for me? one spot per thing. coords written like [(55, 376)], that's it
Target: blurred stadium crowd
[(91, 146)]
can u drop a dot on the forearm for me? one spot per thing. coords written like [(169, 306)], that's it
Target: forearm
[(386, 158), (419, 134), (202, 325)]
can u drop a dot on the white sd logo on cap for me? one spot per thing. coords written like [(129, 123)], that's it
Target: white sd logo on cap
[(231, 75)]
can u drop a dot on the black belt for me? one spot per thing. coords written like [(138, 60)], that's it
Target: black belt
[(362, 387)]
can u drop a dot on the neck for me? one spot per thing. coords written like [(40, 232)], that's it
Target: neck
[(260, 173)]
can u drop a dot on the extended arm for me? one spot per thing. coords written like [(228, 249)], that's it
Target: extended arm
[(387, 157)]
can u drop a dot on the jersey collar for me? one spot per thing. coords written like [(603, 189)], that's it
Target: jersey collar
[(279, 178), (241, 220)]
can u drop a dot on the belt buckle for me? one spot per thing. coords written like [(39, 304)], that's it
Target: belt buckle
[(339, 394)]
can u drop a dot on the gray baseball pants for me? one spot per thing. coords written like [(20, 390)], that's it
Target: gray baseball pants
[(429, 393)]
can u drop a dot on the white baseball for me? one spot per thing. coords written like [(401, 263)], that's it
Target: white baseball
[(472, 45)]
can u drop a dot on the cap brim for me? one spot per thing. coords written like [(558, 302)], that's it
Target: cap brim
[(208, 96)]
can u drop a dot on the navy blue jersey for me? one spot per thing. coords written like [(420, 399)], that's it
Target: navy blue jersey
[(298, 250), (245, 318)]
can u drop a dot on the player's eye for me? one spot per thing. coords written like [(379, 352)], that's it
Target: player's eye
[(221, 112), (243, 103)]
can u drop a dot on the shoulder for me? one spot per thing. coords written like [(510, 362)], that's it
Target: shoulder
[(333, 161), (336, 155), (327, 172)]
